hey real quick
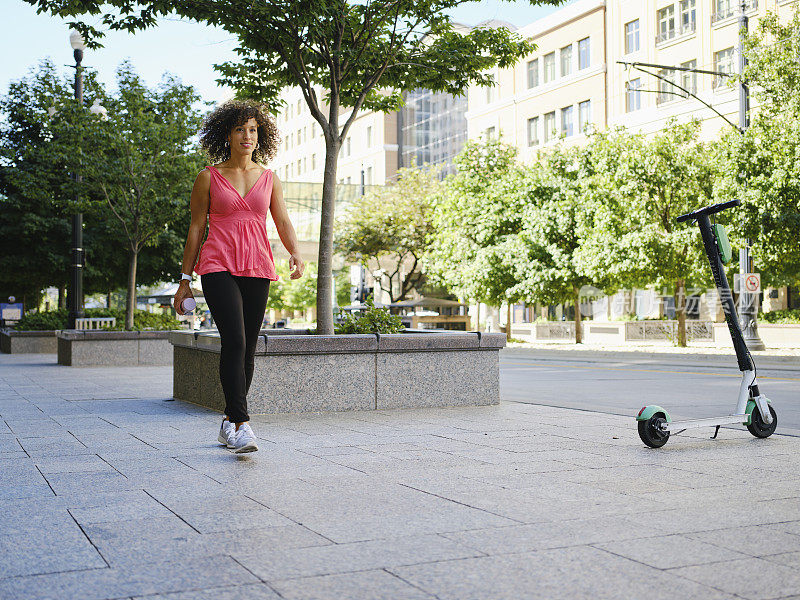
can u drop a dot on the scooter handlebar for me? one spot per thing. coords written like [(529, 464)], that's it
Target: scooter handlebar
[(708, 210)]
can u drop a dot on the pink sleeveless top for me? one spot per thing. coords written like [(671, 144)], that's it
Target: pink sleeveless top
[(237, 229)]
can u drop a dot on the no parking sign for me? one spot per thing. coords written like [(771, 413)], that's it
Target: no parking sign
[(752, 283)]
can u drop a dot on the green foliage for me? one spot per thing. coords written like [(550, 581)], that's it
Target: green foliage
[(360, 55), (293, 294), (478, 212), (43, 321), (392, 224), (57, 319), (372, 320), (787, 316), (761, 167)]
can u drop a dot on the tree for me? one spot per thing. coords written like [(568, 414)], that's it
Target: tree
[(479, 210), (645, 183), (42, 125), (545, 254), (389, 229), (146, 163), (359, 55), (761, 167)]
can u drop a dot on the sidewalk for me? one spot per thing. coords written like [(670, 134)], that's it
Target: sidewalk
[(110, 491)]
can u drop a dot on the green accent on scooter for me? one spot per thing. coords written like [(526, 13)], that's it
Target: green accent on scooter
[(751, 406), (725, 250), (648, 411)]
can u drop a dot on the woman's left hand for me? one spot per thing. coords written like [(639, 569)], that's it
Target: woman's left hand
[(296, 267)]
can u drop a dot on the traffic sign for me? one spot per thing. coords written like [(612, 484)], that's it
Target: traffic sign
[(752, 283)]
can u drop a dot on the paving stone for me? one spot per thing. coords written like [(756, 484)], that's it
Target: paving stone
[(49, 550), (759, 540), (259, 591), (360, 556), (671, 551), (374, 585), (570, 573), (752, 578)]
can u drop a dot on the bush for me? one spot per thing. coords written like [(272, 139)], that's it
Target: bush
[(785, 316), (57, 319), (43, 321), (372, 320)]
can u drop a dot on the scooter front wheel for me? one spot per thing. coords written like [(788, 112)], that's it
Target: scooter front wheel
[(650, 431), (757, 426)]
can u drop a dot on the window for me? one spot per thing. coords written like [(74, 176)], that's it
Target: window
[(549, 67), (666, 91), (369, 175), (298, 167), (723, 62), (633, 97), (723, 9), (298, 108), (689, 79), (491, 90), (305, 164), (349, 180), (533, 73), (533, 131), (299, 137), (666, 23), (369, 136), (291, 170), (632, 36), (566, 60), (286, 142), (490, 131), (584, 115), (348, 145), (313, 162), (688, 16), (567, 121), (550, 126), (584, 54)]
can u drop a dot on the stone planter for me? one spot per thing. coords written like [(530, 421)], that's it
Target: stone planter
[(113, 348), (28, 342), (308, 373)]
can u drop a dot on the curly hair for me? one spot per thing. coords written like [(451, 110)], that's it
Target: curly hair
[(221, 121)]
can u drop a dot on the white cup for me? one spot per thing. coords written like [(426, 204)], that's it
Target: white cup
[(188, 305)]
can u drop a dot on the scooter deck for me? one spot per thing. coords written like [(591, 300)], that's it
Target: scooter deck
[(709, 422)]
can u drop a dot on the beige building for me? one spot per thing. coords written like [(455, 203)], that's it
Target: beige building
[(370, 145), (556, 92)]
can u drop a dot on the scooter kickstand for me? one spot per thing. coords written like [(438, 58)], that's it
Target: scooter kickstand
[(716, 431)]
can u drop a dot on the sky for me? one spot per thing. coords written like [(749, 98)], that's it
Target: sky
[(188, 50)]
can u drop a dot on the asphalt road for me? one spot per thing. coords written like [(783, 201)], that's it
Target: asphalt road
[(687, 387)]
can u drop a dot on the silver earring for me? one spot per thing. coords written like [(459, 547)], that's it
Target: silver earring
[(227, 144)]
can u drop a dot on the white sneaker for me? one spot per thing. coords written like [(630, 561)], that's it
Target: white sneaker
[(244, 440), (227, 432)]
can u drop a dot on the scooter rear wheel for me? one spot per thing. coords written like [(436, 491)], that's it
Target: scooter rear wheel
[(757, 426), (650, 431)]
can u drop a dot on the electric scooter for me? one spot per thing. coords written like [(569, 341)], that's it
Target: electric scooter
[(753, 409)]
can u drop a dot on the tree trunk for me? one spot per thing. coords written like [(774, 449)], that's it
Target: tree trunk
[(680, 311), (508, 322), (578, 332), (325, 258), (130, 301), (62, 297), (108, 299)]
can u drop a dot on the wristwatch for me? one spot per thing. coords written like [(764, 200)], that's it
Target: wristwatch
[(186, 277)]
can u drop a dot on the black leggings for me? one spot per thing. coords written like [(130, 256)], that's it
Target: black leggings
[(237, 305)]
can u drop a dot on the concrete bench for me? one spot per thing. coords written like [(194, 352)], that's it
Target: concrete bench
[(113, 348), (28, 342), (309, 373)]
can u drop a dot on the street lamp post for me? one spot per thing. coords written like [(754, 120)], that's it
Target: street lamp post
[(76, 271), (747, 301)]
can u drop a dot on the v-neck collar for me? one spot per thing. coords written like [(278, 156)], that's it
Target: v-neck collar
[(231, 185)]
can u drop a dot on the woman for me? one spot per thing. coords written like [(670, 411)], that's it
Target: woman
[(235, 264)]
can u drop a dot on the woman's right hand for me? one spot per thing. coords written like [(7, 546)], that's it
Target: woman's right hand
[(183, 292)]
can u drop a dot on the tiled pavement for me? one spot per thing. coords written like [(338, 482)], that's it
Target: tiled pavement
[(111, 491)]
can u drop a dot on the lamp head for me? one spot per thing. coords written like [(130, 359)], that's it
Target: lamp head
[(76, 41)]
